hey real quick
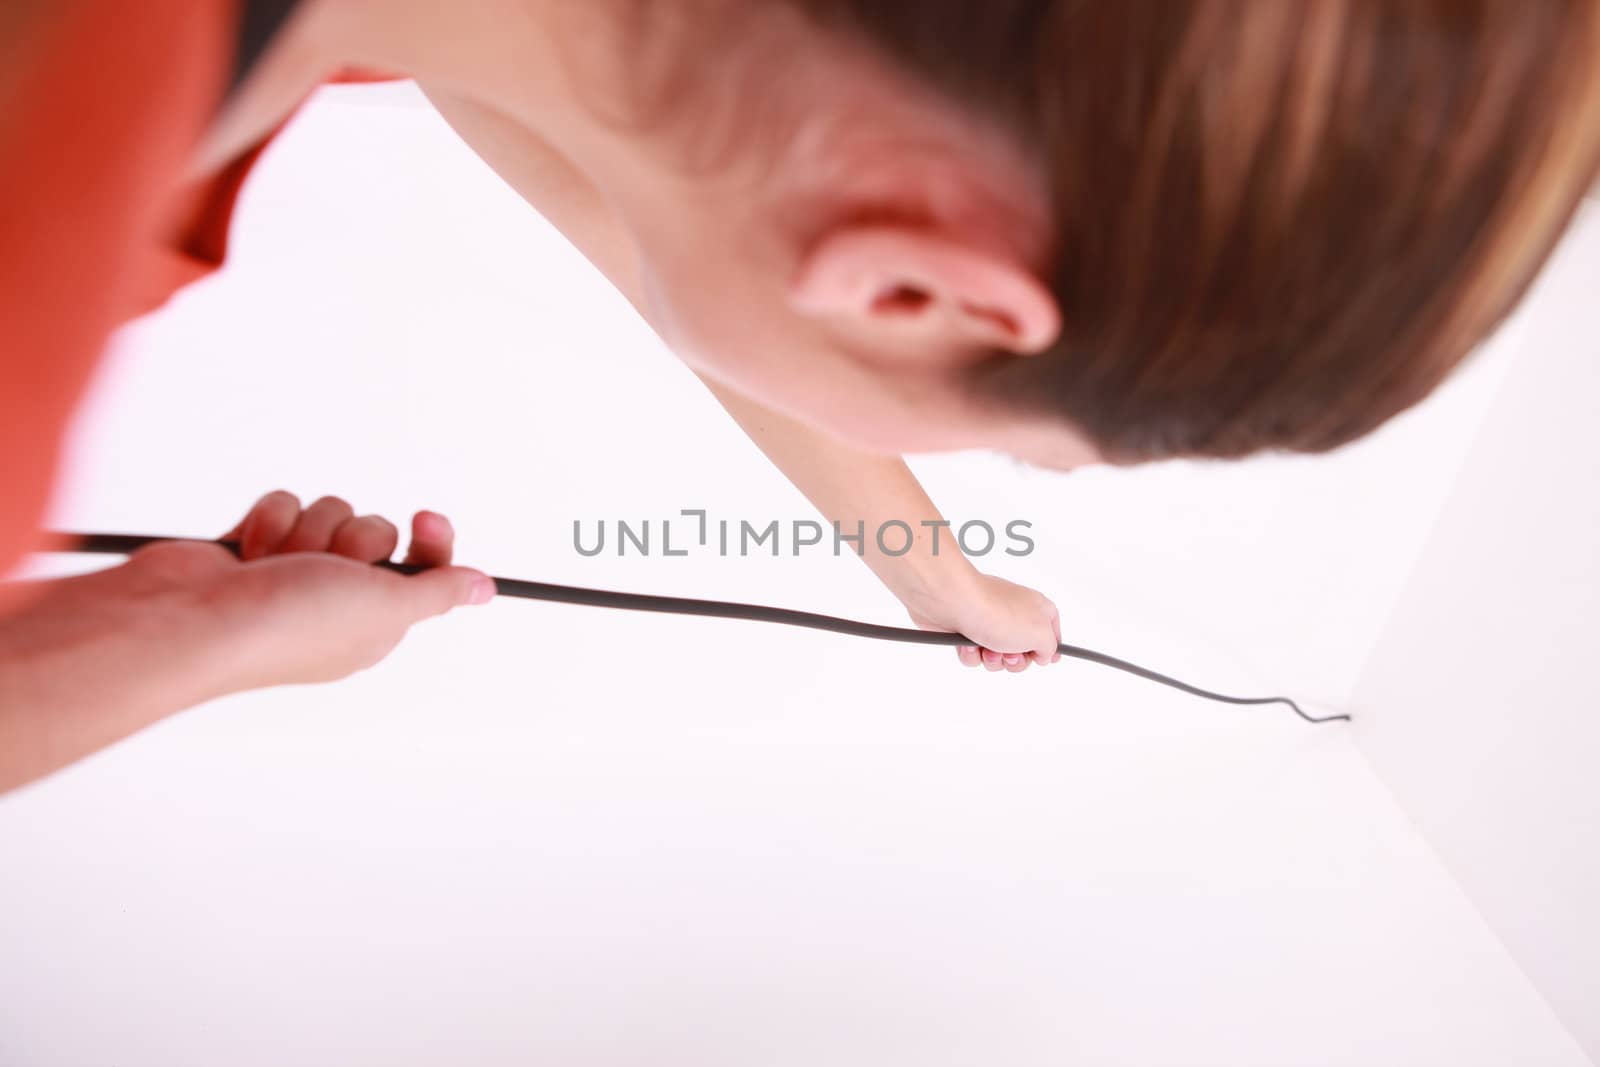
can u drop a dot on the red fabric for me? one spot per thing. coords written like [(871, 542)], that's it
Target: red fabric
[(101, 103)]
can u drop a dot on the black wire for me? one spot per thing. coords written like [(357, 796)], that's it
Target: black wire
[(123, 544)]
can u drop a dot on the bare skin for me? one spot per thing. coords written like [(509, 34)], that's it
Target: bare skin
[(778, 276), (91, 659), (942, 591), (832, 392)]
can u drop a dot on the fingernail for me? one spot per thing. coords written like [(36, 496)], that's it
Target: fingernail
[(1012, 661), (482, 590)]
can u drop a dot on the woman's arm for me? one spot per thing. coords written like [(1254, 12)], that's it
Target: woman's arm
[(89, 660)]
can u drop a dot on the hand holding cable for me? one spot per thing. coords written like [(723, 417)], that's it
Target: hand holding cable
[(276, 521)]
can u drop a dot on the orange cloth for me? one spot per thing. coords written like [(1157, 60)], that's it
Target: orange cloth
[(102, 103)]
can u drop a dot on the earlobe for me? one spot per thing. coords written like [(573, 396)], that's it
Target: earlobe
[(898, 278)]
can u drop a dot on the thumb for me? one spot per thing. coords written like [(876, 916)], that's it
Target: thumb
[(438, 589)]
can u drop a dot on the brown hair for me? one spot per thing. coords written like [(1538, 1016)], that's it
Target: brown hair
[(1277, 224)]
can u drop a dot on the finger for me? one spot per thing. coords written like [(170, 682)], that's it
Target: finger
[(432, 540), (367, 538), (1055, 630), (313, 531), (267, 524), (1045, 653), (238, 528), (1016, 662), (992, 660), (437, 590), (968, 654)]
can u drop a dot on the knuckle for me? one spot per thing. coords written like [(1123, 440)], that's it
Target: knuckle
[(332, 503)]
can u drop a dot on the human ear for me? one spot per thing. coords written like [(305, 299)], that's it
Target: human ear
[(901, 279)]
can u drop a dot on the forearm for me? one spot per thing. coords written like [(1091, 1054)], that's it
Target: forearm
[(88, 660), (849, 486), (76, 676)]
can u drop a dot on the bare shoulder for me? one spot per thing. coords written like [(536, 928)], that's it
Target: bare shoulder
[(546, 180)]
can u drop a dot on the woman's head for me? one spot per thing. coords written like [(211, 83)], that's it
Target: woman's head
[(1130, 231)]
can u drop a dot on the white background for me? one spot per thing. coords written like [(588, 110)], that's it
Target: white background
[(1479, 705), (553, 834)]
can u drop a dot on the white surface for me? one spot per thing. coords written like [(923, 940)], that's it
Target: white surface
[(1481, 706), (545, 834), (646, 865)]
